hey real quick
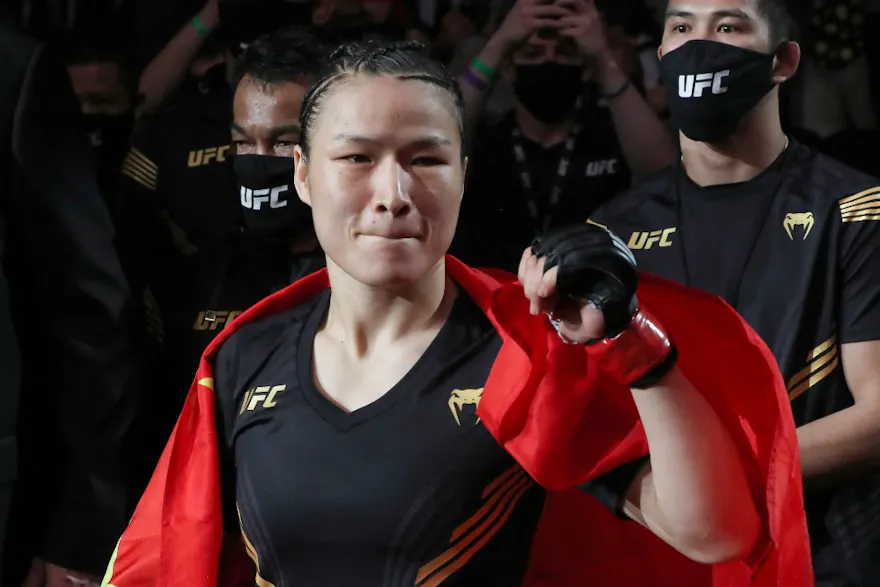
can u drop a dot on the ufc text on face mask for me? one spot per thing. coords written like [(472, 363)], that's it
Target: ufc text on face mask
[(255, 199), (693, 85)]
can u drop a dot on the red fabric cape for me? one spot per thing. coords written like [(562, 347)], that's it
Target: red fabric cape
[(560, 417)]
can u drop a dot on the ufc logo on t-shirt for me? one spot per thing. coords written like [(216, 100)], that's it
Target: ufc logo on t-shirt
[(601, 167), (692, 86), (255, 199)]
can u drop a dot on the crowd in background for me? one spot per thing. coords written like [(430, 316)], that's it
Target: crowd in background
[(552, 136)]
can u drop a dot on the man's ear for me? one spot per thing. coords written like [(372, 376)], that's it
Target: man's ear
[(301, 175), (785, 65)]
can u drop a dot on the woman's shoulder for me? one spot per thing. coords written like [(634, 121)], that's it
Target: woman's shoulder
[(254, 341)]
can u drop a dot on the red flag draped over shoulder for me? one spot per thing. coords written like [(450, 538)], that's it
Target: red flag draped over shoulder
[(561, 418)]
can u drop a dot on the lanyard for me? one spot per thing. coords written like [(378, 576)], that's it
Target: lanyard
[(781, 185), (525, 176)]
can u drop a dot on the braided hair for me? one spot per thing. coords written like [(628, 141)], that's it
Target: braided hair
[(405, 60)]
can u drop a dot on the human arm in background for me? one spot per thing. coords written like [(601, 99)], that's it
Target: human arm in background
[(524, 19), (646, 143), (165, 71), (847, 443), (77, 281)]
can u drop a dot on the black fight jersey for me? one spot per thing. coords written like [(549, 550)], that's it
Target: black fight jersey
[(178, 210), (794, 252), (497, 219), (409, 490), (177, 177)]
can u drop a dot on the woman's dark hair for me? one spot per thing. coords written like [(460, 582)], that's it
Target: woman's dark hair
[(405, 60)]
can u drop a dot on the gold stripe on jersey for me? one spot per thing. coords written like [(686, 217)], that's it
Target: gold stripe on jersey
[(500, 499), (145, 161), (141, 169), (252, 552), (821, 362), (138, 175), (594, 223), (861, 207)]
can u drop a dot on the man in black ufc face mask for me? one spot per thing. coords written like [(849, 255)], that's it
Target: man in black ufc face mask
[(275, 243), (579, 133), (789, 238), (104, 84)]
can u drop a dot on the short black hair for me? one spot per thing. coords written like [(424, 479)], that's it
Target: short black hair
[(89, 48), (291, 54), (778, 14), (400, 59)]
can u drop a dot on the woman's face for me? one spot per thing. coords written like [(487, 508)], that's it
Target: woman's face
[(384, 177)]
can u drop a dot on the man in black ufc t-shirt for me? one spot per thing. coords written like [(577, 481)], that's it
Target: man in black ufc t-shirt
[(788, 237)]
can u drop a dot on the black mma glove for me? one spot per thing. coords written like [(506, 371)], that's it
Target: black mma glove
[(596, 266)]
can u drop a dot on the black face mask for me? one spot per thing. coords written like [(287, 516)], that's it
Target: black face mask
[(712, 86), (549, 91), (270, 206)]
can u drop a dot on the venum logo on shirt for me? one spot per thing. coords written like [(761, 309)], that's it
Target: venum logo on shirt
[(646, 240), (264, 396), (795, 219), (602, 167), (459, 398), (693, 86)]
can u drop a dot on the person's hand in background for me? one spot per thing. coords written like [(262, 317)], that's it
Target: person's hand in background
[(583, 24), (526, 18)]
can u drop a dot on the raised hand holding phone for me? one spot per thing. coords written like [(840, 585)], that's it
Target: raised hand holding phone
[(583, 24), (526, 18)]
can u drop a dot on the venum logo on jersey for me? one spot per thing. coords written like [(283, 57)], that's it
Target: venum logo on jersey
[(459, 398), (795, 219)]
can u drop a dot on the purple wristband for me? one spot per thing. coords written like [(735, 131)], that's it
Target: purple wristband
[(474, 80)]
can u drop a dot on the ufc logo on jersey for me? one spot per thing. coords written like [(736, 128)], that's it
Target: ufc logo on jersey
[(602, 167), (214, 319), (205, 156), (646, 240), (264, 395), (692, 86), (254, 199)]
